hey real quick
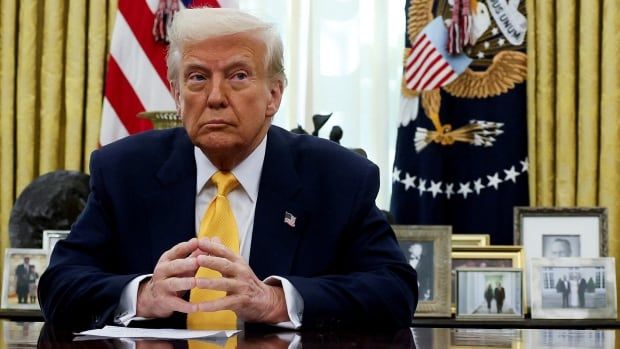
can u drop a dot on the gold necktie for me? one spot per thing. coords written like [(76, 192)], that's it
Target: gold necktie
[(218, 221)]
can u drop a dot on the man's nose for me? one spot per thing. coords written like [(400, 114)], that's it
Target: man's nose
[(217, 95)]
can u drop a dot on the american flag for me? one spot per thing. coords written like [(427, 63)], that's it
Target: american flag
[(428, 65), (136, 75)]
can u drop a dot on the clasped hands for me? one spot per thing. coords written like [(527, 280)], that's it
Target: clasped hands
[(174, 275)]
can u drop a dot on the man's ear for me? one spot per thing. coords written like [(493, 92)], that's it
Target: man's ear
[(276, 89)]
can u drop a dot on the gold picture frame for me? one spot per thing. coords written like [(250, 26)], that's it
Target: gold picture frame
[(432, 267), (493, 256), (471, 240)]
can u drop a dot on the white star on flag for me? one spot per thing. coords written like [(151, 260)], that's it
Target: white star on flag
[(478, 185), (396, 175), (494, 181), (408, 181), (511, 175), (525, 166), (435, 188), (449, 191), (422, 186), (464, 189)]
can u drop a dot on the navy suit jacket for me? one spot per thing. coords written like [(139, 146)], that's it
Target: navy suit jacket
[(341, 255)]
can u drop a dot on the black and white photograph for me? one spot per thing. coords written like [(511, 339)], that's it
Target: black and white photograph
[(22, 269), (420, 256), (427, 248), (489, 292), (555, 246), (572, 287)]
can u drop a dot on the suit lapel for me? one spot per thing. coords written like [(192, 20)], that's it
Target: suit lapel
[(171, 205), (274, 241)]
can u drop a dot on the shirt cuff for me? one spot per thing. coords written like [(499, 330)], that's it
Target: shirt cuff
[(127, 306), (294, 302)]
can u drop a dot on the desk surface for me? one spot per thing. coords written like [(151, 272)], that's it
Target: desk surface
[(34, 334)]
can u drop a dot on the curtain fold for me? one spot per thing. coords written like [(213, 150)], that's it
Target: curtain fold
[(52, 64), (574, 105)]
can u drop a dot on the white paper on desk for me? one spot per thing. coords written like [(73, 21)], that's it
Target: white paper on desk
[(164, 333)]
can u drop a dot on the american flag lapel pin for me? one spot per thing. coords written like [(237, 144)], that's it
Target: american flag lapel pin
[(289, 219)]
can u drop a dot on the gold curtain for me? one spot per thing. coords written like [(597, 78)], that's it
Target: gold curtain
[(52, 62), (574, 106)]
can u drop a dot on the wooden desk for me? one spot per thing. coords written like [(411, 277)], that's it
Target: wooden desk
[(35, 334)]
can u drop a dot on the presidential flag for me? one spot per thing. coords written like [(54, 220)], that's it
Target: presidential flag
[(136, 73), (461, 152)]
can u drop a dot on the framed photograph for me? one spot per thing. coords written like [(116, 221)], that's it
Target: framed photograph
[(22, 269), (570, 339), (485, 257), (495, 293), (51, 237), (551, 232), (427, 248), (470, 240), (573, 288)]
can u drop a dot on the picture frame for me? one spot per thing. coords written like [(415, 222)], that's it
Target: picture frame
[(533, 224), (471, 240), (547, 231), (51, 237), (498, 256), (18, 284), (489, 293), (573, 288), (432, 268)]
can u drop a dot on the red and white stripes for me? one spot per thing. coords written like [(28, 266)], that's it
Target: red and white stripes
[(136, 76)]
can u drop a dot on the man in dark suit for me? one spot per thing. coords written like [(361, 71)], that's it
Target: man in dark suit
[(581, 292), (563, 287), (500, 296), (314, 250), (22, 279)]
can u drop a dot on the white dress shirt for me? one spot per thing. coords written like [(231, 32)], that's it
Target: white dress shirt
[(243, 204)]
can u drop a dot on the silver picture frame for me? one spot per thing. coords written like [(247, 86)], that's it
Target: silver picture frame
[(433, 266), (573, 288)]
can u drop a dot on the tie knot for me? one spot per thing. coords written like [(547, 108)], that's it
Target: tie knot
[(225, 182)]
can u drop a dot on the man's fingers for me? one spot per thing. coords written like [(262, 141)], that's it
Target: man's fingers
[(185, 266), (217, 249), (180, 284), (231, 302), (180, 250), (223, 265), (219, 284), (182, 306)]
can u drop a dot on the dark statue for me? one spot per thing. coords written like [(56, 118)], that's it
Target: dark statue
[(51, 202)]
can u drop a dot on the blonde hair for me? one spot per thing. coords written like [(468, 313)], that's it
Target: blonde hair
[(193, 25)]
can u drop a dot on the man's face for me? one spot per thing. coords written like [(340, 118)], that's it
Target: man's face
[(224, 95), (560, 249), (26, 260), (415, 250)]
